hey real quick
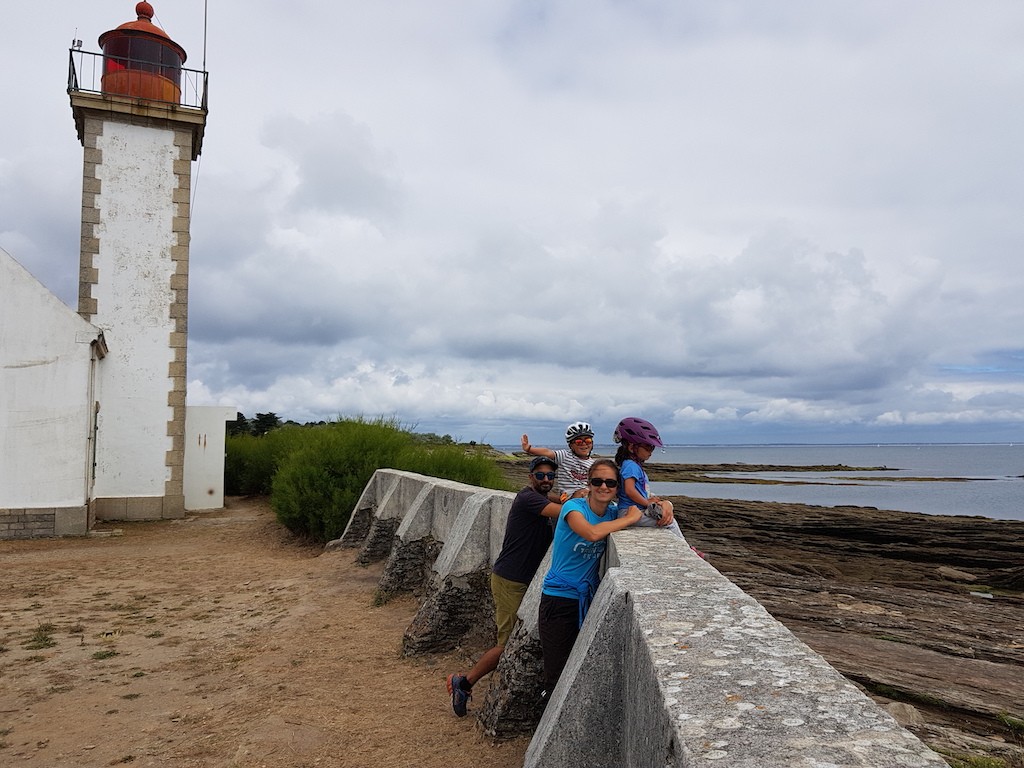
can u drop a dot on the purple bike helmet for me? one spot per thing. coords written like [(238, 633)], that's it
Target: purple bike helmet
[(637, 432)]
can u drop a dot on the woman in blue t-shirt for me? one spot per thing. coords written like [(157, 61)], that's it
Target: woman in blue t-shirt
[(583, 526)]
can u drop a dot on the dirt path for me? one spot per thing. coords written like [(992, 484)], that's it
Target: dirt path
[(216, 640)]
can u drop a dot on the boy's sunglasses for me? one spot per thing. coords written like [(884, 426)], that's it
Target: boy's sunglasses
[(544, 475), (597, 482), (584, 441)]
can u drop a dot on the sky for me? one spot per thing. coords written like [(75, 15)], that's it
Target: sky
[(746, 222)]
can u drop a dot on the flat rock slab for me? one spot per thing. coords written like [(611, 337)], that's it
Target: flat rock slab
[(968, 684)]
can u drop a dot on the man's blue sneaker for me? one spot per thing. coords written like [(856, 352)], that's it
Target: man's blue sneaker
[(460, 697)]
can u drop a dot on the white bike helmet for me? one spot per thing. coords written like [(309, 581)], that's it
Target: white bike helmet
[(578, 430)]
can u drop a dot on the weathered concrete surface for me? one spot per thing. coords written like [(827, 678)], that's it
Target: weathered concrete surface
[(440, 538), (408, 567), (708, 677), (458, 606), (361, 520), (584, 723), (513, 706), (457, 610), (871, 590)]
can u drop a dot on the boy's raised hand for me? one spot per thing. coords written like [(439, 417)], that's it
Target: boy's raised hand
[(529, 449)]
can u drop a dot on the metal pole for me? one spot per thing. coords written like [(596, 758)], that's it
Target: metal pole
[(205, 8)]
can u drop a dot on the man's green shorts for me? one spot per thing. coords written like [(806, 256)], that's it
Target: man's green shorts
[(507, 597)]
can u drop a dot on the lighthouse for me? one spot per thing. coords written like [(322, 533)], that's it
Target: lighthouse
[(140, 116)]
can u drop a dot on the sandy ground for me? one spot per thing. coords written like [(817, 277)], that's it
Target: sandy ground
[(217, 640)]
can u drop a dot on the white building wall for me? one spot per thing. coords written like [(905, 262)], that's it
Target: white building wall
[(134, 297), (45, 371), (205, 430)]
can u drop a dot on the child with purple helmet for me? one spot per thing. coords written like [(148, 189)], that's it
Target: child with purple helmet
[(637, 439)]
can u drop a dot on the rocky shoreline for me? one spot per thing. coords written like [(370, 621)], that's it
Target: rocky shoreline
[(925, 612)]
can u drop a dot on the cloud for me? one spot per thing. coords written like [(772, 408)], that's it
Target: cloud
[(743, 222), (335, 166)]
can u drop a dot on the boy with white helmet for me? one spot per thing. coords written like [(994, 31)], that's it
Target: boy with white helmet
[(573, 462)]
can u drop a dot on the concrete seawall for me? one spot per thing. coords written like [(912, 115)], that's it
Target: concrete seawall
[(675, 665)]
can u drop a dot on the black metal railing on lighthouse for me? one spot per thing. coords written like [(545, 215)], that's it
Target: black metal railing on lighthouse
[(161, 82)]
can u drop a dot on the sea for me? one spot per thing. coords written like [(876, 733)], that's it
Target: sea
[(991, 476)]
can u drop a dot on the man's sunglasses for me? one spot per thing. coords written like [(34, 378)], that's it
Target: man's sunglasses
[(544, 475), (597, 482)]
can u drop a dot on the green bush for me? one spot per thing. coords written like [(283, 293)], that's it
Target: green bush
[(317, 486), (251, 461), (454, 463), (317, 483)]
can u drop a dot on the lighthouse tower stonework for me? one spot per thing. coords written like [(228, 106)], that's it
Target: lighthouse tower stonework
[(139, 143)]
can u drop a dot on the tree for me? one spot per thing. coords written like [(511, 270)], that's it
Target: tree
[(240, 426), (264, 422)]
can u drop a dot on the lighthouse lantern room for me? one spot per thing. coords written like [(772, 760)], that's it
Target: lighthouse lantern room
[(139, 59)]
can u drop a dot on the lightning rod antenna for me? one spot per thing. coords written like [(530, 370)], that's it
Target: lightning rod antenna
[(205, 7)]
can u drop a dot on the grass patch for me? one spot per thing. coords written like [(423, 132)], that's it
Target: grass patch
[(107, 654), (156, 633), (965, 760), (41, 638), (1015, 724)]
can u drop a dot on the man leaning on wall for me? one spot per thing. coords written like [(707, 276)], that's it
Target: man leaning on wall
[(527, 538)]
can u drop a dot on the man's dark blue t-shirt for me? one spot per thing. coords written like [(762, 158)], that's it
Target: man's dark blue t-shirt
[(527, 537)]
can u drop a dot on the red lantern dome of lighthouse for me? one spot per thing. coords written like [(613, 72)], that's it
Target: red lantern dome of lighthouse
[(141, 61)]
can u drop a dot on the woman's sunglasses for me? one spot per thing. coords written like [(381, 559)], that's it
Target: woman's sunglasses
[(544, 475), (584, 441), (597, 482)]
